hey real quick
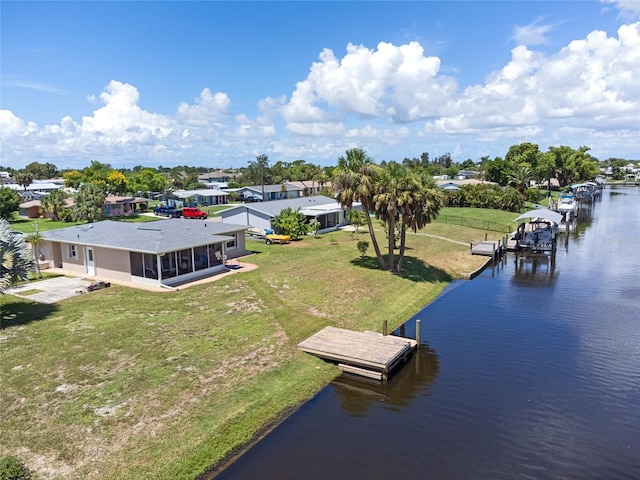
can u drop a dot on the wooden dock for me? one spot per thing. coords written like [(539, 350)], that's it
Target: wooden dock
[(486, 248), (368, 354)]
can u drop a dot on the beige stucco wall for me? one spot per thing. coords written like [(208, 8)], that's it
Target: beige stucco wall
[(73, 265), (112, 264)]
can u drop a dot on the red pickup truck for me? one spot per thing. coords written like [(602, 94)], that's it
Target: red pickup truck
[(192, 212)]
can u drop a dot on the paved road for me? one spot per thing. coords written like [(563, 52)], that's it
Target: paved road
[(52, 290)]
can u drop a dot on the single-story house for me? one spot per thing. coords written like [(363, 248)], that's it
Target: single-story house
[(166, 252), (463, 174), (115, 206), (271, 192), (326, 210), (30, 209), (34, 191), (33, 208), (310, 187), (202, 196)]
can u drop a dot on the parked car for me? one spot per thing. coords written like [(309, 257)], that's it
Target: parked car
[(252, 199), (167, 211), (192, 212)]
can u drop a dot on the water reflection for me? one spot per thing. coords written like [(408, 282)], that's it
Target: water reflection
[(535, 270), (357, 395)]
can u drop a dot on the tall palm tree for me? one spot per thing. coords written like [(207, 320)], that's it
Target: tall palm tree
[(428, 201), (396, 193), (354, 181), (15, 258), (37, 241)]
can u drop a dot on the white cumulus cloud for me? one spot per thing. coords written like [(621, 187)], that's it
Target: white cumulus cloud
[(208, 107), (397, 82), (590, 82)]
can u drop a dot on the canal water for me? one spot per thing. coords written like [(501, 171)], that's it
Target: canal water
[(531, 370)]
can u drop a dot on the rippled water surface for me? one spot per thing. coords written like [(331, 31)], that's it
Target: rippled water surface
[(532, 370)]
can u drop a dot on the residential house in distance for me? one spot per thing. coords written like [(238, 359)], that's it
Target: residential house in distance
[(219, 176), (326, 210), (310, 187), (115, 206), (456, 184), (33, 208), (36, 190), (279, 191), (161, 253), (202, 196)]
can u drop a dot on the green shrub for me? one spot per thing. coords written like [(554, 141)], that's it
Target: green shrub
[(12, 468), (512, 200), (362, 247), (533, 195)]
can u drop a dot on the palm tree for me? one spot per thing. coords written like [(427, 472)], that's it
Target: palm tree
[(354, 181), (312, 173), (15, 257), (520, 177), (54, 203), (37, 241), (426, 206), (23, 178), (396, 193)]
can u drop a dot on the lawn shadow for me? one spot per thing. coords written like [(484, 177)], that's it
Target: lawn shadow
[(413, 269), (22, 312)]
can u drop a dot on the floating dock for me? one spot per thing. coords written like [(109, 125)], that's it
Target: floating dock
[(368, 354)]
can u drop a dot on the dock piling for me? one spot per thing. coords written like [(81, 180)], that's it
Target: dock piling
[(417, 333), (384, 328)]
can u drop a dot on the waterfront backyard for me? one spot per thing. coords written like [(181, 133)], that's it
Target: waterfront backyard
[(124, 383)]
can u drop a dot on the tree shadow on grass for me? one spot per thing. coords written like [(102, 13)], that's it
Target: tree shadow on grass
[(413, 269), (22, 312)]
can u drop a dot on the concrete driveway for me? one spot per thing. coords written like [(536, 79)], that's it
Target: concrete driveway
[(52, 290)]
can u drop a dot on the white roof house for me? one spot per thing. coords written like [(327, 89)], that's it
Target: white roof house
[(202, 196), (326, 210)]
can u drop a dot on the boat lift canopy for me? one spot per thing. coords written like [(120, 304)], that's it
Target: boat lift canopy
[(544, 213)]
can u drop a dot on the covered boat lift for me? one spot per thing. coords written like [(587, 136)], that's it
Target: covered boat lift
[(539, 234)]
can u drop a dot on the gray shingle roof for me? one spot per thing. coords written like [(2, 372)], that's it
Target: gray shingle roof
[(151, 237)]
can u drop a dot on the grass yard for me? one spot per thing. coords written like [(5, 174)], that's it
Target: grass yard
[(129, 384)]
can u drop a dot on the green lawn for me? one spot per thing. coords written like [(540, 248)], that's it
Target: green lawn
[(129, 384)]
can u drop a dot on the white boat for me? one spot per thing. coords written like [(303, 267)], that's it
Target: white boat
[(567, 205)]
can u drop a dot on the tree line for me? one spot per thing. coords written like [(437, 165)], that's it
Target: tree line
[(522, 163)]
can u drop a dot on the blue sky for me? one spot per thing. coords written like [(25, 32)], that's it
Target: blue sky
[(218, 83)]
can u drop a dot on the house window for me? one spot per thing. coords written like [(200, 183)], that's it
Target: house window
[(231, 244), (72, 252)]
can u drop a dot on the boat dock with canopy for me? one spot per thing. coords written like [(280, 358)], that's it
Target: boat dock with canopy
[(539, 234)]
